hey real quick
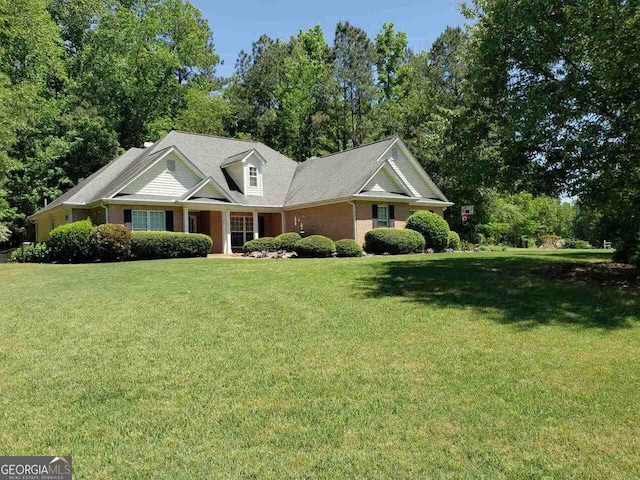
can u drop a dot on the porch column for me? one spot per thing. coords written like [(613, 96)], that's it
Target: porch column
[(226, 221), (255, 225), (185, 219), (284, 222)]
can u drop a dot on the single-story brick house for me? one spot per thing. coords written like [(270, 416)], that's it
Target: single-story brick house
[(237, 190)]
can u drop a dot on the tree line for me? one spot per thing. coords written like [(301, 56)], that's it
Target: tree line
[(531, 96)]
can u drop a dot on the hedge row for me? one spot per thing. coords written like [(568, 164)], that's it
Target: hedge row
[(315, 246), (82, 242), (150, 245)]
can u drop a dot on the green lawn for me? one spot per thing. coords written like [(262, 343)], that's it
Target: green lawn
[(447, 366)]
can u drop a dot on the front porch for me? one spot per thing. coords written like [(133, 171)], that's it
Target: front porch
[(229, 229)]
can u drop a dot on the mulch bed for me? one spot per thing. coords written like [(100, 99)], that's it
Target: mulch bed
[(605, 274)]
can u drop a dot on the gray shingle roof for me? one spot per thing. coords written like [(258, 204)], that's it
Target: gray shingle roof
[(337, 175), (89, 189), (285, 182)]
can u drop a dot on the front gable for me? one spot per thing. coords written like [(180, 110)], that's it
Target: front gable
[(169, 176), (208, 189), (385, 180), (411, 172)]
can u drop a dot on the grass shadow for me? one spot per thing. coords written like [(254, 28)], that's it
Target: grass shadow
[(509, 289)]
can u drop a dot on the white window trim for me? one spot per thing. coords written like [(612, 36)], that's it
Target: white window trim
[(386, 207), (148, 215), (251, 177), (244, 231)]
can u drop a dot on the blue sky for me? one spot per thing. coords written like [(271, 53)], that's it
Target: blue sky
[(236, 24)]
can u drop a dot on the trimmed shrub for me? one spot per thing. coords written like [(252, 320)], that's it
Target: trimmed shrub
[(454, 241), (150, 245), (393, 241), (110, 242), (348, 247), (34, 253), (433, 228), (467, 246), (70, 243), (264, 244), (315, 246), (287, 241), (576, 243)]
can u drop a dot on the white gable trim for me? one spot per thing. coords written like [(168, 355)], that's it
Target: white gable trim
[(425, 176), (171, 149), (204, 183), (244, 159), (389, 168)]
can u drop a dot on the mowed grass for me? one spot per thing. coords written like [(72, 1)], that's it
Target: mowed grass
[(425, 366)]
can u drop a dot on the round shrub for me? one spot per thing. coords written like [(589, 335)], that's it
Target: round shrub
[(150, 245), (576, 243), (433, 228), (315, 246), (34, 253), (348, 247), (393, 241), (70, 243), (454, 241), (264, 244), (110, 242), (287, 241)]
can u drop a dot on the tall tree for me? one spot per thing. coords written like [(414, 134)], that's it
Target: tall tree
[(391, 54), (139, 61), (303, 94), (354, 60), (31, 76), (561, 78), (252, 88)]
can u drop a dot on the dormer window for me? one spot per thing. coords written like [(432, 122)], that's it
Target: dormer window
[(171, 165), (253, 176)]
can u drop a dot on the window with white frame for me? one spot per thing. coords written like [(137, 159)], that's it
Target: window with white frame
[(148, 220), (171, 165), (383, 216), (241, 230), (253, 176)]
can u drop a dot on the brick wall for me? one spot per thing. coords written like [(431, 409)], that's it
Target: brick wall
[(334, 220), (116, 214), (215, 229), (364, 219)]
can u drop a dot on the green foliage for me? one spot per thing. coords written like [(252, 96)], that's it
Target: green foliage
[(508, 218), (391, 53), (34, 253), (151, 245), (5, 233), (262, 244), (454, 242), (393, 241), (348, 247), (561, 84), (69, 243), (287, 241), (433, 228), (576, 243), (315, 246), (145, 57), (110, 242), (466, 246), (204, 112)]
